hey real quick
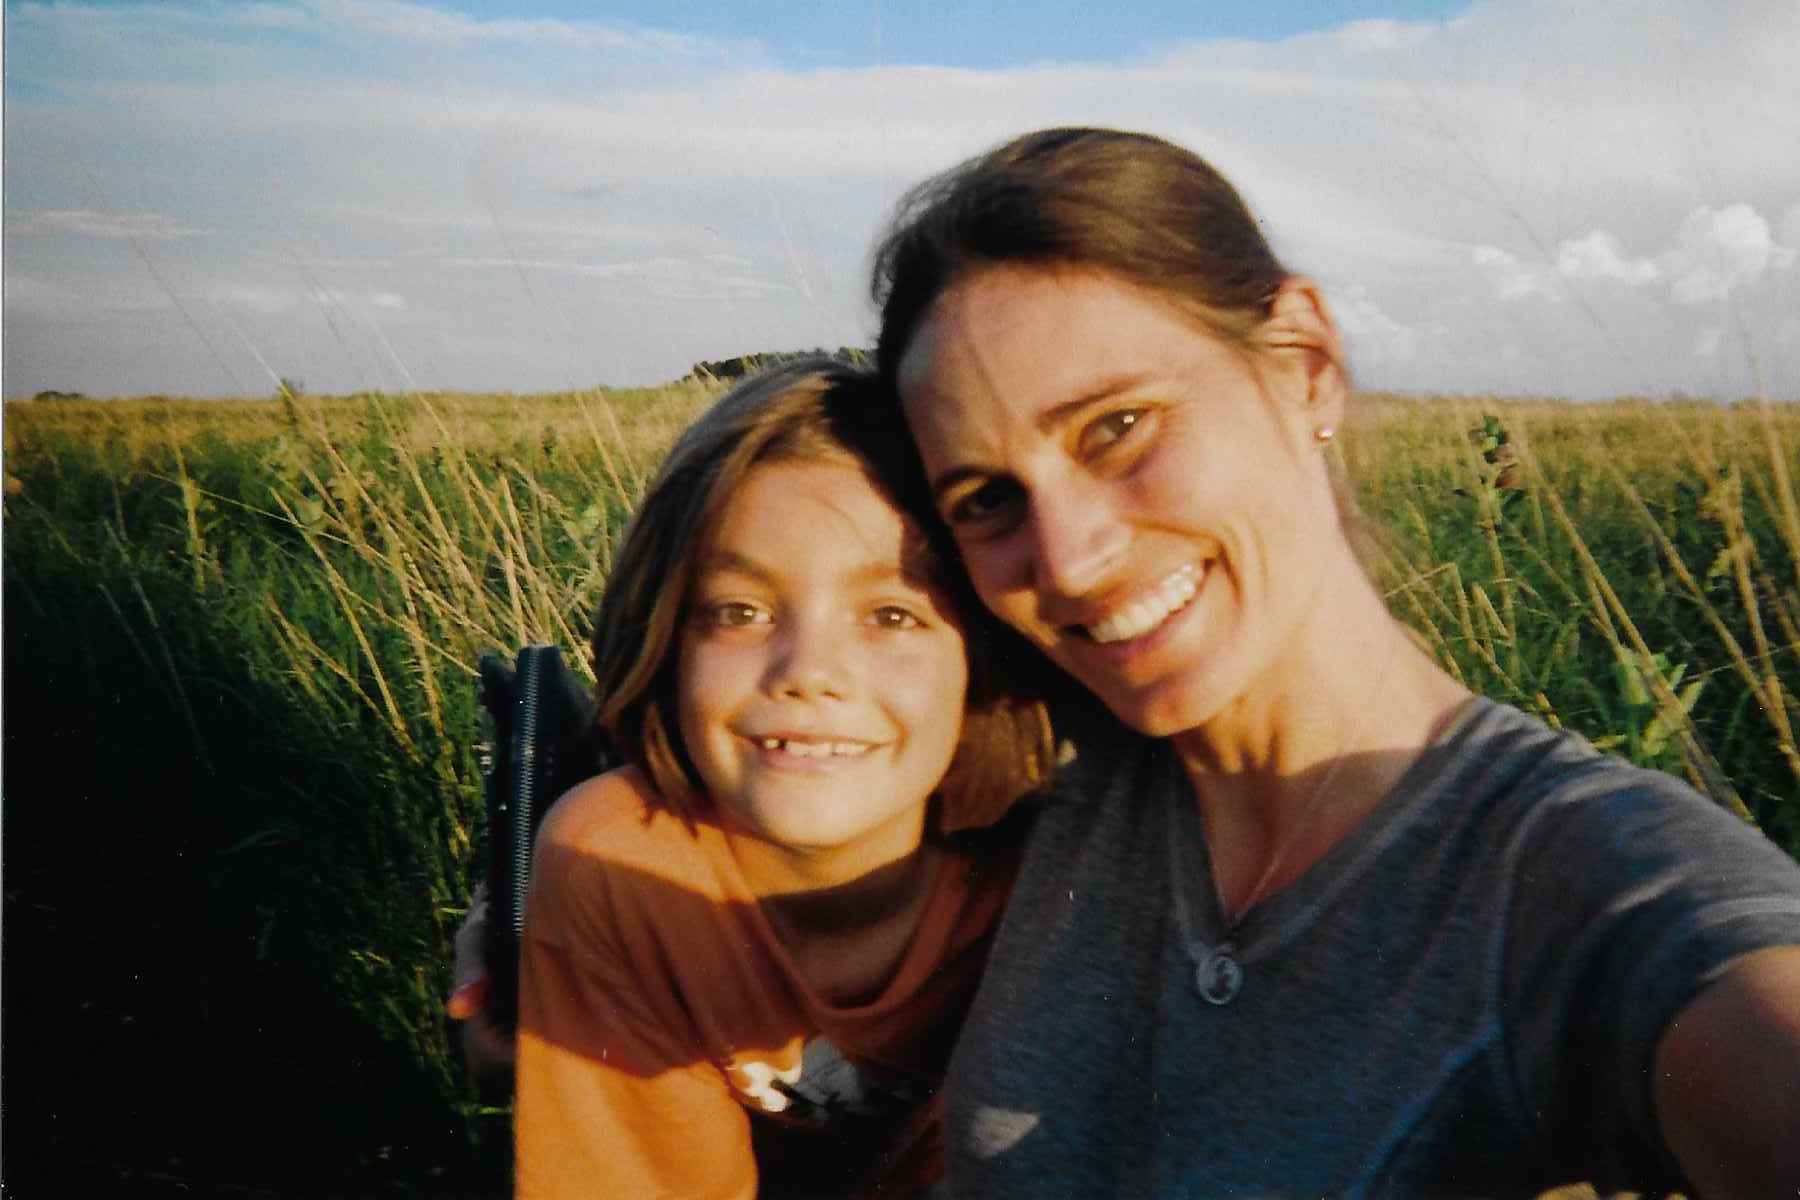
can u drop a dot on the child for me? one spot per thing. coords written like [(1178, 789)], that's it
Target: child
[(748, 950)]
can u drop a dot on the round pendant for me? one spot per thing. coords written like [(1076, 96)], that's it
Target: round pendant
[(1218, 977)]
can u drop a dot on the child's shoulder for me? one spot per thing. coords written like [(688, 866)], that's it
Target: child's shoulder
[(617, 816)]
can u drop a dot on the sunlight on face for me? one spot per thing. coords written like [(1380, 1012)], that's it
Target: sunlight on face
[(1126, 492), (821, 685)]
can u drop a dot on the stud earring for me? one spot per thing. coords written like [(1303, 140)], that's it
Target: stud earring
[(1324, 434)]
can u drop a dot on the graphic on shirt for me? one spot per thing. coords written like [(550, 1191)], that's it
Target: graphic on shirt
[(761, 1088), (823, 1087)]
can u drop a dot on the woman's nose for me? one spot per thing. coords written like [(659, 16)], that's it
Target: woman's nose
[(1076, 539)]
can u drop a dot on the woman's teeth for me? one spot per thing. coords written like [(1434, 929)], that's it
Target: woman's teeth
[(1147, 612), (814, 749)]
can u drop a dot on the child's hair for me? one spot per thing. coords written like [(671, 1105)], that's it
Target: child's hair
[(812, 410)]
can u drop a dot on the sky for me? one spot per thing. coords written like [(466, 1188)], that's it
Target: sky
[(1535, 197)]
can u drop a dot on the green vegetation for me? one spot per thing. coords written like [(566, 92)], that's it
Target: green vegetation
[(243, 801)]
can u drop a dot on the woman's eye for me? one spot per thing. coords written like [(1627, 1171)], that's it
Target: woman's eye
[(732, 614), (892, 616), (983, 502), (1110, 429)]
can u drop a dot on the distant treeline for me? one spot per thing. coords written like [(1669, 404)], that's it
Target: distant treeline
[(749, 364)]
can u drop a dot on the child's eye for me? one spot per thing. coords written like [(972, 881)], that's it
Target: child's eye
[(731, 614), (1107, 431), (892, 616)]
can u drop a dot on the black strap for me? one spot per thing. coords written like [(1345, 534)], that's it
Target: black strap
[(543, 741)]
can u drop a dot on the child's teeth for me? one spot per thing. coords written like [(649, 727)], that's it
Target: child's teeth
[(813, 749)]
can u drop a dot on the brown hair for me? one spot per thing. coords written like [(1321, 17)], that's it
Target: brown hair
[(1134, 205), (1148, 211), (809, 410)]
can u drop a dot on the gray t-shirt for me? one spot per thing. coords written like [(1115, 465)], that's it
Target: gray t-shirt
[(1463, 998)]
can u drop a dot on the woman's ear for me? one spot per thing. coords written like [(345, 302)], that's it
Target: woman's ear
[(1300, 334)]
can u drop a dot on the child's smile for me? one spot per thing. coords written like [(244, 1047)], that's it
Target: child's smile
[(821, 683)]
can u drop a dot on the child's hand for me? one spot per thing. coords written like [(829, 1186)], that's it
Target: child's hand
[(487, 1053)]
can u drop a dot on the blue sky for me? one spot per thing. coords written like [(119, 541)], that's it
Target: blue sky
[(1501, 196), (967, 33)]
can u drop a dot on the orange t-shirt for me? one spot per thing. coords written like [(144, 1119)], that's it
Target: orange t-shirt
[(658, 1011)]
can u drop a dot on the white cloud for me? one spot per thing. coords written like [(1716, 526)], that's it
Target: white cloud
[(267, 301), (716, 276), (29, 294), (1511, 278), (1599, 256), (1718, 249), (1383, 36), (1707, 343), (395, 20), (569, 233), (88, 223), (26, 294), (675, 201), (1790, 226), (420, 22), (1377, 339)]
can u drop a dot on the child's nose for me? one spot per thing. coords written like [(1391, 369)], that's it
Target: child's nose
[(814, 663)]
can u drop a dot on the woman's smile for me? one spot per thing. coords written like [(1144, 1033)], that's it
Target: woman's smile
[(1149, 611), (1125, 486)]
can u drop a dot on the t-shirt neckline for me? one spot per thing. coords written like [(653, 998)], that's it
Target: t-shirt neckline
[(1283, 915)]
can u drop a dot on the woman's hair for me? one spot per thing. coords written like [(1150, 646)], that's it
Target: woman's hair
[(1130, 204), (813, 410)]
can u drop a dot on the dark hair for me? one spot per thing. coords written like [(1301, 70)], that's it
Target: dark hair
[(1127, 203), (1135, 206), (811, 410)]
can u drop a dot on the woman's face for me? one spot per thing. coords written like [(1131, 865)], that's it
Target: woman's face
[(1126, 491)]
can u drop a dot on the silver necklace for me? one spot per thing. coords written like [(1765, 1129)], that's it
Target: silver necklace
[(1218, 966)]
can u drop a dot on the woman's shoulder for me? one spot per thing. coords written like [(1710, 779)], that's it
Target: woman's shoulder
[(1502, 755), (1550, 793)]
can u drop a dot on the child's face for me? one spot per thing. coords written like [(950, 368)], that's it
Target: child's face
[(821, 687)]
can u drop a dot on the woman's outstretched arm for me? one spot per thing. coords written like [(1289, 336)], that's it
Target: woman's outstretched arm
[(1728, 1080)]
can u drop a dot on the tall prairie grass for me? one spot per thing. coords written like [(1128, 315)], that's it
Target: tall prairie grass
[(243, 634)]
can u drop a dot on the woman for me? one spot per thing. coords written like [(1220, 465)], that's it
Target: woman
[(1316, 921)]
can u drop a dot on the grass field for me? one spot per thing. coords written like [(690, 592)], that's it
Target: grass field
[(243, 797)]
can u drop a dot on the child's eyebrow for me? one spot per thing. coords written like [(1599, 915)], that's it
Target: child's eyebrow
[(730, 562), (889, 572)]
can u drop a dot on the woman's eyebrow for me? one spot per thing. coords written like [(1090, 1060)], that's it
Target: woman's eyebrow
[(1048, 421), (1095, 393)]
